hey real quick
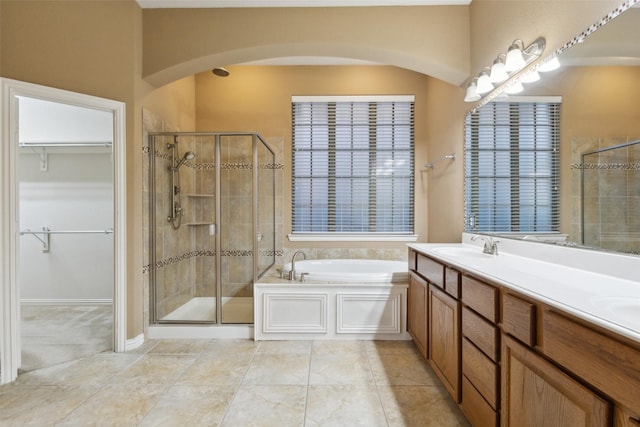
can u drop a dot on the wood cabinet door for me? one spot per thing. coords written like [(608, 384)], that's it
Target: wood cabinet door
[(536, 393), (444, 339), (417, 310)]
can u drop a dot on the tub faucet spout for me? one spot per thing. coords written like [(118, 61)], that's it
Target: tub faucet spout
[(292, 272)]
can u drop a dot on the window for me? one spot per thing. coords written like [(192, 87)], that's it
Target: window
[(352, 165), (511, 167)]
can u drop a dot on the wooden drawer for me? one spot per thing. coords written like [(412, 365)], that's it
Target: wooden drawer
[(482, 333), (432, 270), (475, 408), (452, 282), (626, 418), (412, 260), (481, 372), (600, 360), (481, 297), (519, 319)]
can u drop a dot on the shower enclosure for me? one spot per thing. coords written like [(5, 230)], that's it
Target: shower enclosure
[(211, 225), (611, 198)]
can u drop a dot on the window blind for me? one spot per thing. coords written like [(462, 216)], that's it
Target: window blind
[(511, 167), (352, 165)]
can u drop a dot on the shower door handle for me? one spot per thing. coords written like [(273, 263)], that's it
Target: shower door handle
[(259, 237)]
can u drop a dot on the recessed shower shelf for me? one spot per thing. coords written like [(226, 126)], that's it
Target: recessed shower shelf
[(200, 195), (197, 224)]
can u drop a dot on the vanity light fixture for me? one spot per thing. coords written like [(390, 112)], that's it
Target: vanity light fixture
[(514, 88), (530, 77), (518, 56), (472, 94), (484, 84), (498, 74), (504, 67), (550, 65)]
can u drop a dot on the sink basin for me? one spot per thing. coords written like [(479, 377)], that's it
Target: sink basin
[(621, 310), (462, 252)]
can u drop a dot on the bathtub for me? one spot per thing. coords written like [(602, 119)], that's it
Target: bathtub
[(350, 270), (338, 300)]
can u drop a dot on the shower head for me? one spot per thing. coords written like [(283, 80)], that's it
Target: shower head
[(189, 155)]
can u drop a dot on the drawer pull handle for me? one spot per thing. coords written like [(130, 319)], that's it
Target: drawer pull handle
[(634, 421)]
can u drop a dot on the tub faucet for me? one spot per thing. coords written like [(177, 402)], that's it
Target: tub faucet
[(490, 246), (292, 272)]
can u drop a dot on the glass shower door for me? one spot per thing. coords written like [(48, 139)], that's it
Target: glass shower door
[(266, 207), (182, 229), (236, 228)]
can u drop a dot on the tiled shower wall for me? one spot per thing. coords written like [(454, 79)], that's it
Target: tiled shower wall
[(181, 255), (609, 195)]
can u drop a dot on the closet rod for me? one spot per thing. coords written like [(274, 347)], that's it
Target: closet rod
[(65, 144), (107, 231)]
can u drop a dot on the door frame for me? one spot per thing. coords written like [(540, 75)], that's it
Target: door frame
[(10, 357)]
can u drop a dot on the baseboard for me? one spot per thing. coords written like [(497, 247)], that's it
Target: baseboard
[(134, 343), (33, 301), (157, 332)]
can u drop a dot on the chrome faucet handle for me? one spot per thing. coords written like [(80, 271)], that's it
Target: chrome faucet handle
[(490, 246), (494, 247), (302, 276)]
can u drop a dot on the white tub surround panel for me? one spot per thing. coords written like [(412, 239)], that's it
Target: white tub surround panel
[(332, 311)]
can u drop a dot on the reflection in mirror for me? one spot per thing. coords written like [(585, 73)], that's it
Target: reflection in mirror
[(599, 169)]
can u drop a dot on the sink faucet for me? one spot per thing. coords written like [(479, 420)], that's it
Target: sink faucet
[(292, 272), (490, 246)]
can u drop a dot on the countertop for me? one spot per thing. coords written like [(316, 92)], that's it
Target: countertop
[(605, 300)]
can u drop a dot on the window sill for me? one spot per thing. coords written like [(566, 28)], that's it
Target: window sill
[(340, 237)]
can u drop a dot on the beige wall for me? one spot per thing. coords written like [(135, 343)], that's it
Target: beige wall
[(496, 24), (432, 40), (86, 47), (258, 98), (96, 47)]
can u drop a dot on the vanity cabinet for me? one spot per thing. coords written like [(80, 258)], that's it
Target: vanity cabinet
[(417, 312), (512, 360), (434, 317), (480, 352), (444, 339), (601, 360), (537, 393)]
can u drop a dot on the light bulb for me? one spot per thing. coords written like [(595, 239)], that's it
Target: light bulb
[(515, 60), (514, 88), (498, 73), (484, 84), (472, 95), (530, 77), (550, 65)]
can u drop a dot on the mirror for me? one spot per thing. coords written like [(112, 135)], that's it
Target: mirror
[(599, 83)]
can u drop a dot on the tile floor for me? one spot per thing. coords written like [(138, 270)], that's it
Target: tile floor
[(236, 383), (53, 334)]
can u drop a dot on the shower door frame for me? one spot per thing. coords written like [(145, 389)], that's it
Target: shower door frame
[(217, 136)]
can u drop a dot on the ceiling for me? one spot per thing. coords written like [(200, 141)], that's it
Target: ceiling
[(156, 4)]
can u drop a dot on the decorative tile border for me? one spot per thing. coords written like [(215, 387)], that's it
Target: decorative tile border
[(202, 253), (606, 166), (211, 166), (177, 258)]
